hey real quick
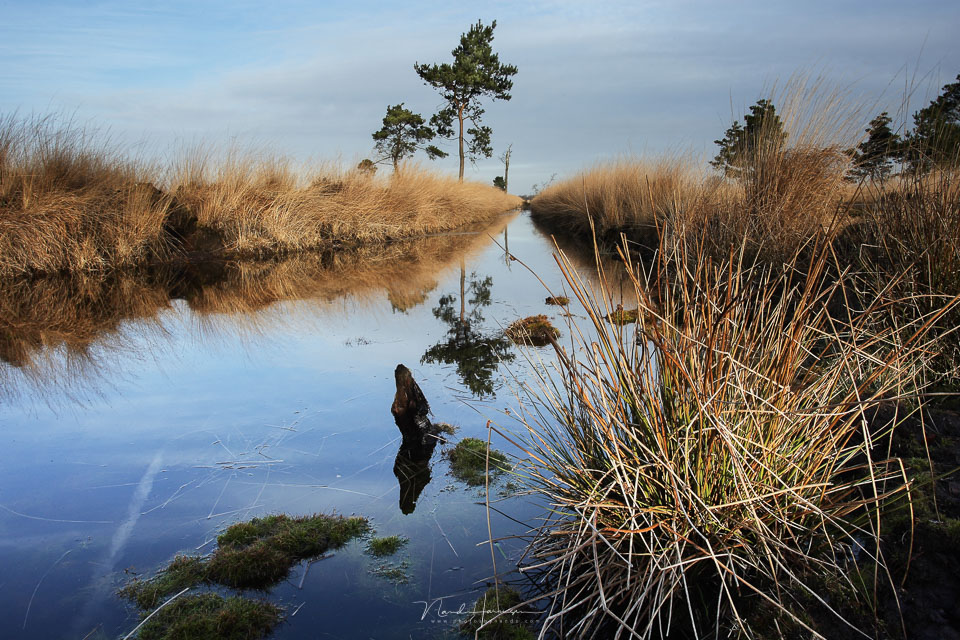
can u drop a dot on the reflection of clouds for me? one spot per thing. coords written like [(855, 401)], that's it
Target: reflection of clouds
[(79, 334)]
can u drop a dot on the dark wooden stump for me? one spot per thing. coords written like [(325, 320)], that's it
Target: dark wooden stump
[(411, 412), (410, 408)]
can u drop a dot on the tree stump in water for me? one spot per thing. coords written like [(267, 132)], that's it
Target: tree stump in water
[(410, 408), (412, 466)]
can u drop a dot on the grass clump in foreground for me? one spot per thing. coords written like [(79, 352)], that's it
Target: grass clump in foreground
[(496, 615), (208, 615), (468, 461), (250, 555), (719, 456), (533, 330), (385, 546)]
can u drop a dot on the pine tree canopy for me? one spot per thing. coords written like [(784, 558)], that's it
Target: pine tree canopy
[(476, 73)]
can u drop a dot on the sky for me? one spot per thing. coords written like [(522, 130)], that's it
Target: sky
[(596, 81)]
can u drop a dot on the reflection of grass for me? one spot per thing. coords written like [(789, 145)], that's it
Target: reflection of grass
[(533, 330), (250, 555), (386, 546), (205, 616), (468, 461), (493, 603), (72, 313)]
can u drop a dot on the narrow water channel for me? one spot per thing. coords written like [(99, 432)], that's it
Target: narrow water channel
[(140, 417)]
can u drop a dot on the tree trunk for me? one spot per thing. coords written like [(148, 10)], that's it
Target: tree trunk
[(506, 172), (463, 279), (460, 118)]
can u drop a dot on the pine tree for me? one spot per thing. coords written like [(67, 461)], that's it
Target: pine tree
[(476, 73), (874, 157), (935, 139), (403, 133), (742, 146)]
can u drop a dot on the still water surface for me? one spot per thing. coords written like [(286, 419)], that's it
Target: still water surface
[(139, 418)]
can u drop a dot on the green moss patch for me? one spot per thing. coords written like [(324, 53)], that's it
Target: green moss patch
[(533, 330), (468, 461), (208, 615), (560, 301), (250, 555), (623, 316), (182, 572), (509, 626), (260, 553), (386, 546)]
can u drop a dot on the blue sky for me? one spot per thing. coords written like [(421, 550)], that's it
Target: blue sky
[(312, 80)]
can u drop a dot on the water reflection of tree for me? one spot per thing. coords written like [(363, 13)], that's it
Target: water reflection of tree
[(476, 354)]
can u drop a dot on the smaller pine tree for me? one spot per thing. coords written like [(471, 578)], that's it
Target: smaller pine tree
[(403, 133), (874, 157), (742, 146)]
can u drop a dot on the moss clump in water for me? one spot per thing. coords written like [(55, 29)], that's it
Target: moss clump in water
[(250, 555), (623, 316), (387, 546), (182, 572), (494, 602), (260, 553), (468, 461), (533, 330), (208, 615), (560, 301)]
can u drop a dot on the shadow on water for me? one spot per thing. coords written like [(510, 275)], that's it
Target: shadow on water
[(59, 333)]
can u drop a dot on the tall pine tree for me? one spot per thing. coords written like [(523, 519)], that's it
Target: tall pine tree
[(476, 73)]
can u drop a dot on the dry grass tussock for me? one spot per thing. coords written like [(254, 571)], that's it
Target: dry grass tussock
[(706, 461), (70, 203)]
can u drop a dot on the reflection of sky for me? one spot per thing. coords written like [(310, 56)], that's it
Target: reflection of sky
[(201, 429), (595, 79)]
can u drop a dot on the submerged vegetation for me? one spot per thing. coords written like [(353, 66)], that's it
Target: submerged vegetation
[(469, 461), (68, 204)]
